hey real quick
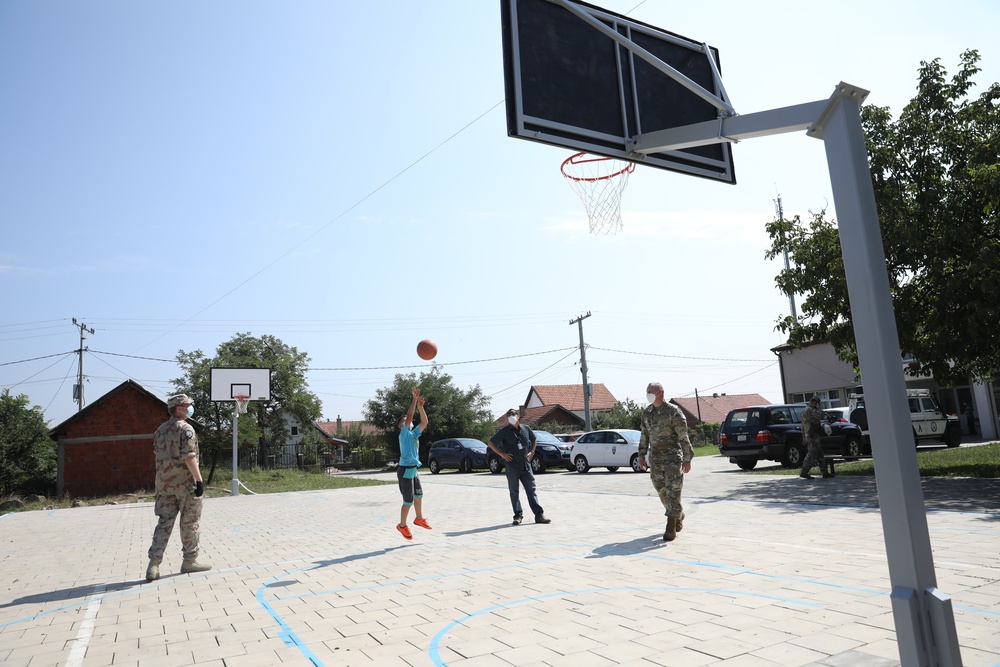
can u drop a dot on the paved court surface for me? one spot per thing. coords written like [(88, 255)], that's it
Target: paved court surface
[(768, 570)]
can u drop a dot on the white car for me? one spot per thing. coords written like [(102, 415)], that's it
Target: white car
[(609, 449)]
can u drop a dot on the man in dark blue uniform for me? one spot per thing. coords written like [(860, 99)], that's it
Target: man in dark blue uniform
[(515, 444)]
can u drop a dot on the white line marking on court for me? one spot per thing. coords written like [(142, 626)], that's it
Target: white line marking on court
[(82, 641)]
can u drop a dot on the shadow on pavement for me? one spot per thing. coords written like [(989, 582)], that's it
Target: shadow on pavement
[(74, 593), (636, 546), (940, 493)]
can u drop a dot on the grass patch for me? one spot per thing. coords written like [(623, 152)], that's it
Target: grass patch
[(705, 450), (257, 480), (981, 461)]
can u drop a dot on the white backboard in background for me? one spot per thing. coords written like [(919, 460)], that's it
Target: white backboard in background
[(228, 383)]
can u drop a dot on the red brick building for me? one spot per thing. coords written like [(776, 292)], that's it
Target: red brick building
[(107, 447)]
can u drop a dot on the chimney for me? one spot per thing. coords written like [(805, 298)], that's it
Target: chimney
[(340, 424)]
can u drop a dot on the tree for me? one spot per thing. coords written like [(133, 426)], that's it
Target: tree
[(625, 414), (936, 176), (452, 413), (263, 424), (27, 453)]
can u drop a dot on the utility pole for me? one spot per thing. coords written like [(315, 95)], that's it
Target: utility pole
[(697, 402), (78, 389), (781, 216), (583, 369)]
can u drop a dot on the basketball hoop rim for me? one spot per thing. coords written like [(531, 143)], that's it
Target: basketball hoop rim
[(574, 159)]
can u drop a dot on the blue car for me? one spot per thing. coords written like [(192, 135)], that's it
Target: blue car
[(465, 454), (550, 452)]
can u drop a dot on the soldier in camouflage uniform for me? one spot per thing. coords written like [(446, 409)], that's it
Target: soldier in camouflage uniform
[(179, 487), (665, 436), (812, 432)]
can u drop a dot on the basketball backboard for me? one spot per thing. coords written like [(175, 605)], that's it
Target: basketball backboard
[(569, 84), (228, 383)]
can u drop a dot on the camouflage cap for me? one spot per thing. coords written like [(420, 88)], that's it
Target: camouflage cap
[(179, 399)]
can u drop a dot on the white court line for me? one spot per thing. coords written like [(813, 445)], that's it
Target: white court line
[(82, 641)]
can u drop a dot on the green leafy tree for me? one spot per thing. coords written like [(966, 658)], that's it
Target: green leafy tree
[(27, 453), (263, 425), (452, 412), (625, 414), (936, 176)]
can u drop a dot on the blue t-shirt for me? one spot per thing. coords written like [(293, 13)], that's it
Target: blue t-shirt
[(409, 452)]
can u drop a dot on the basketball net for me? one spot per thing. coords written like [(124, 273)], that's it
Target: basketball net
[(241, 404), (599, 182)]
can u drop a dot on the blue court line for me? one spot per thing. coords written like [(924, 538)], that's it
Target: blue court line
[(435, 654)]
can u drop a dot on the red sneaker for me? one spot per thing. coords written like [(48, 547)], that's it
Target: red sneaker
[(422, 523), (405, 531)]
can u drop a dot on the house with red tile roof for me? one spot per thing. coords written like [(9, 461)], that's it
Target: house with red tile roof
[(544, 414), (542, 399), (713, 408)]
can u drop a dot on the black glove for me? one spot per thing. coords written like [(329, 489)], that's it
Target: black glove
[(199, 489)]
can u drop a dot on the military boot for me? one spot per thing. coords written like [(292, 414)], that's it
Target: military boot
[(671, 532), (153, 570), (680, 523), (192, 566)]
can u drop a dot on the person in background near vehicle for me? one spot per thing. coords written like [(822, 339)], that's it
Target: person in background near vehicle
[(409, 461), (812, 432), (179, 488), (665, 436), (970, 417), (515, 444)]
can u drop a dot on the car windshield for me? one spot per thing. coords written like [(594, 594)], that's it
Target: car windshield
[(545, 436), (471, 443)]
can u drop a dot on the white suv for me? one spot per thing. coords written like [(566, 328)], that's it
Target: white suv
[(928, 420)]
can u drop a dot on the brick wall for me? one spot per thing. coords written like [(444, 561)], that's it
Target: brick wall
[(108, 448)]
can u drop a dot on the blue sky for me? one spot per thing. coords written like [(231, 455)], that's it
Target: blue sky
[(338, 175)]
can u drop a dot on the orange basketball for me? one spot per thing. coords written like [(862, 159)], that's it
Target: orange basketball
[(427, 349)]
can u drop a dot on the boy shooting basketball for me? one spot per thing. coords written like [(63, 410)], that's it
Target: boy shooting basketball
[(409, 461)]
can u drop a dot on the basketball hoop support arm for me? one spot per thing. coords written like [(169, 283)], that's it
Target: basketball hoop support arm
[(722, 104), (923, 615)]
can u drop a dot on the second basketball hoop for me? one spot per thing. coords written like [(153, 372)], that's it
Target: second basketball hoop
[(599, 182)]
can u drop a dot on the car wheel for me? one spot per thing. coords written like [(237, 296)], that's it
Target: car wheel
[(746, 464), (794, 453), (953, 435), (433, 465), (581, 464), (537, 466), (465, 465), (916, 440), (852, 447), (495, 465), (634, 463), (612, 468)]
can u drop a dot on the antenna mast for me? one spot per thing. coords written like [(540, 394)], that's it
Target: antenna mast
[(781, 216)]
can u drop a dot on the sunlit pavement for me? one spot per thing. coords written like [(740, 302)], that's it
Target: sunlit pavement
[(769, 570)]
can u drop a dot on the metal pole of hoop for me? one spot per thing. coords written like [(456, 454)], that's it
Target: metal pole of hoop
[(239, 407)]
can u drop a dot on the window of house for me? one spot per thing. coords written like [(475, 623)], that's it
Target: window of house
[(295, 430)]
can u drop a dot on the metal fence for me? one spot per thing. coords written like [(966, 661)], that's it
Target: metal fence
[(314, 458)]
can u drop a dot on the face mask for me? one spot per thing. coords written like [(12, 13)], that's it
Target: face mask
[(190, 410), (512, 419), (650, 398)]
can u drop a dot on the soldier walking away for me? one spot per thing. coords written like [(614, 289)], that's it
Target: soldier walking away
[(179, 487), (665, 437), (515, 444), (812, 434)]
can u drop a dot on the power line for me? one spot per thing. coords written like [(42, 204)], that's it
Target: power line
[(452, 363), (674, 356), (48, 356)]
